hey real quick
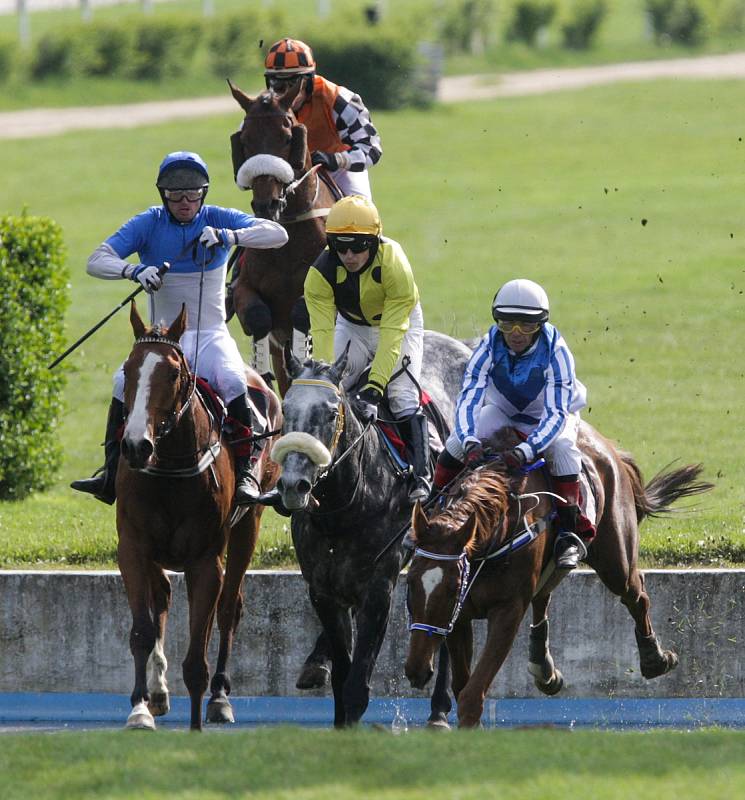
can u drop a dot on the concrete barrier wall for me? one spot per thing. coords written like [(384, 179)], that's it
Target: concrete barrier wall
[(69, 632)]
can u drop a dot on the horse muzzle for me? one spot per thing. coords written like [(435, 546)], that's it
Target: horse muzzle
[(418, 673), (137, 452)]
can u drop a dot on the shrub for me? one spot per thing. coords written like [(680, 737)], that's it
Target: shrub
[(9, 57), (467, 26), (580, 22), (681, 21), (34, 297), (164, 47), (381, 67), (233, 46), (527, 18), (728, 16)]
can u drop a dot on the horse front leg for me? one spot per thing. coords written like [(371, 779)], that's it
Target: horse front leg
[(337, 628), (203, 583), (503, 624), (142, 636), (372, 622), (460, 648), (241, 546), (541, 665), (315, 671), (159, 703), (440, 702)]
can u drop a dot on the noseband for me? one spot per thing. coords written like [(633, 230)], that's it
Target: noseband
[(464, 566)]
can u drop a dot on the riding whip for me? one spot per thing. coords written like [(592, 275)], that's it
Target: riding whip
[(162, 271)]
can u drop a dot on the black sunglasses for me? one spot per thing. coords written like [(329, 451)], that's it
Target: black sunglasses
[(357, 244)]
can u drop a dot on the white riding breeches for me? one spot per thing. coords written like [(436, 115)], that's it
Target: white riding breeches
[(403, 394), (353, 182), (220, 363), (563, 455)]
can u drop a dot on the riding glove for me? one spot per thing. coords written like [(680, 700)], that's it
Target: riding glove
[(513, 459), (148, 277), (366, 403), (212, 236), (328, 160), (474, 453)]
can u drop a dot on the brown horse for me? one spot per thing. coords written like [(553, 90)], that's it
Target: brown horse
[(500, 531), (271, 157), (174, 509)]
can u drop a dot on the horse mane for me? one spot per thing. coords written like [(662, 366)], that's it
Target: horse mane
[(483, 493)]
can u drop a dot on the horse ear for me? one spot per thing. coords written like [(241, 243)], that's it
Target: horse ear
[(467, 531), (338, 367), (176, 331), (243, 100), (138, 326), (419, 521), (293, 364)]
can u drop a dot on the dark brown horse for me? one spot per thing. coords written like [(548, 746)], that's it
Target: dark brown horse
[(174, 509), (271, 157), (461, 572)]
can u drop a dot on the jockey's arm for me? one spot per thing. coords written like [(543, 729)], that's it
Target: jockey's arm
[(355, 129), (401, 296), (263, 234), (473, 390), (319, 298), (105, 263)]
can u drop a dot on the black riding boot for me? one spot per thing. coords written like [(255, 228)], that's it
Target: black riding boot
[(569, 548), (419, 429), (273, 499), (103, 483), (247, 479)]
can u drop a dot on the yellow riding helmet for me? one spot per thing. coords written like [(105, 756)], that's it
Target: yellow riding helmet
[(289, 57), (354, 214)]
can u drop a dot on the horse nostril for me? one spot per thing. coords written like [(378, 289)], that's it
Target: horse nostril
[(303, 486)]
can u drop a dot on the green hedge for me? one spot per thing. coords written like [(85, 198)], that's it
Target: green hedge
[(33, 297)]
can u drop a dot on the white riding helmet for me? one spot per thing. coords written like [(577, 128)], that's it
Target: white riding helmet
[(521, 299)]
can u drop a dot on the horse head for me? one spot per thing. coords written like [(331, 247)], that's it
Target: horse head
[(438, 576), (316, 416), (156, 387), (270, 151)]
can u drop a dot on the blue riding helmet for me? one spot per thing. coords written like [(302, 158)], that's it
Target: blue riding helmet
[(182, 160), (182, 170)]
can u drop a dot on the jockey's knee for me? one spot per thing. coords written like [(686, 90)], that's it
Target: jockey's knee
[(300, 317), (256, 320)]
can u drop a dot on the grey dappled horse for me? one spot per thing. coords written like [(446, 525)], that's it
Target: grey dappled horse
[(346, 500)]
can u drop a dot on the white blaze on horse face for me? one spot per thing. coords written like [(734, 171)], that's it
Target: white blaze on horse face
[(137, 420), (431, 579)]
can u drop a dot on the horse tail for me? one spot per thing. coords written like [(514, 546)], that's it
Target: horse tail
[(667, 486)]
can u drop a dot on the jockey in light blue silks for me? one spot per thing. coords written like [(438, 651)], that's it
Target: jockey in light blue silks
[(521, 374), (192, 237)]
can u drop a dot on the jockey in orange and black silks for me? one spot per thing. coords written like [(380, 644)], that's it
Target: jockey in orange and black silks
[(195, 239), (522, 375), (341, 136)]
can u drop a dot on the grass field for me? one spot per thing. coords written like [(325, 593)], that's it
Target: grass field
[(297, 764), (622, 201)]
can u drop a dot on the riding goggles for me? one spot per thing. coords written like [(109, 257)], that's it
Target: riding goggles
[(177, 195), (357, 244), (511, 325), (282, 82)]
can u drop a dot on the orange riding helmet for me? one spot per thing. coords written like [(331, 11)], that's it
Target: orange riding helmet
[(288, 58)]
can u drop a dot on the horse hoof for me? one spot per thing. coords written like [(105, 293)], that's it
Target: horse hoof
[(220, 712), (667, 662), (553, 686), (140, 719), (313, 676), (158, 705), (438, 723)]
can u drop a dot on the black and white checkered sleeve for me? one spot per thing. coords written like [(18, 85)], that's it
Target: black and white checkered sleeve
[(356, 129)]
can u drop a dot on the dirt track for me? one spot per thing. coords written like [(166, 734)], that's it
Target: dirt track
[(47, 122)]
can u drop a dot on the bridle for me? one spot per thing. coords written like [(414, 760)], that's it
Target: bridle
[(336, 458), (289, 188), (203, 456)]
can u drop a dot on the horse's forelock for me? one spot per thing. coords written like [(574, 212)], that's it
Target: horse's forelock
[(483, 492)]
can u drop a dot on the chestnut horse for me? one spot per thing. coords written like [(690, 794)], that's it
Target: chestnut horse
[(490, 517), (271, 157), (174, 511)]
